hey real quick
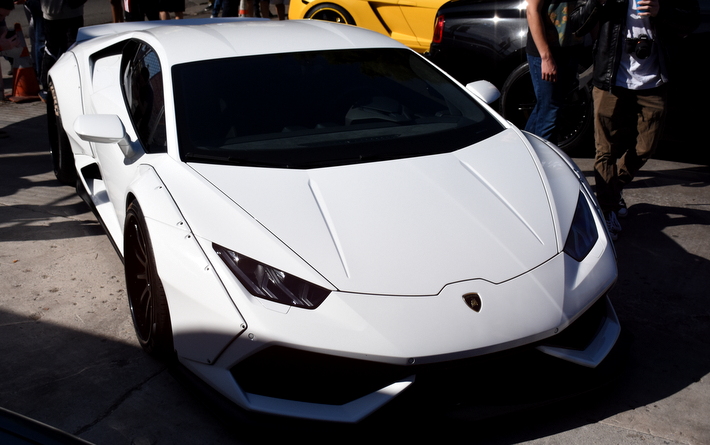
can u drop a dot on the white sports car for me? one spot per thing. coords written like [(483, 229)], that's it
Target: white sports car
[(311, 213)]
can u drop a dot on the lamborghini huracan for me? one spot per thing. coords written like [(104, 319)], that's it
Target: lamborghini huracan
[(311, 214)]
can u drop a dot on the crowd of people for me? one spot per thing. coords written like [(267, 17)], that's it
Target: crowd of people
[(632, 67)]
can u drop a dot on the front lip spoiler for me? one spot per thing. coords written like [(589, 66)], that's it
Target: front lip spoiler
[(351, 412), (598, 349)]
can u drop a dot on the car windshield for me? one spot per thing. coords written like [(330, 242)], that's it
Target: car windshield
[(322, 108)]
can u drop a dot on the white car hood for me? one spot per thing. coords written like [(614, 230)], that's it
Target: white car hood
[(409, 226)]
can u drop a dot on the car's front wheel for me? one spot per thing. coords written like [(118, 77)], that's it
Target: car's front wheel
[(146, 296), (60, 149), (331, 13), (575, 121)]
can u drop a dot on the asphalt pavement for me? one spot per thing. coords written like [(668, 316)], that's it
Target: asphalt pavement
[(69, 357)]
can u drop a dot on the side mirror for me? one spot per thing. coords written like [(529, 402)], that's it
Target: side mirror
[(484, 90), (104, 129)]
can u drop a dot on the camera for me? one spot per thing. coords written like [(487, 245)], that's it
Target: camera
[(640, 46)]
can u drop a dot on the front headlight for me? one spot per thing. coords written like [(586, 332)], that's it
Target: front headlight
[(583, 233), (270, 283)]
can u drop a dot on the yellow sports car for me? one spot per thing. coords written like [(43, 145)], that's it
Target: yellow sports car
[(408, 21)]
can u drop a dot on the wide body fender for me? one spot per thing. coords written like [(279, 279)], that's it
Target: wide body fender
[(204, 318), (67, 81)]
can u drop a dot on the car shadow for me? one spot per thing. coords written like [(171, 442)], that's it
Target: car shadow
[(27, 180)]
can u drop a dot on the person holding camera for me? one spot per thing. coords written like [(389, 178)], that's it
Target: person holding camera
[(631, 64)]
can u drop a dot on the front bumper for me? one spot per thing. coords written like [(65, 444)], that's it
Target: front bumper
[(285, 381)]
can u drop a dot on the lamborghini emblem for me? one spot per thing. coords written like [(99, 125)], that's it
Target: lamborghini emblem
[(473, 301)]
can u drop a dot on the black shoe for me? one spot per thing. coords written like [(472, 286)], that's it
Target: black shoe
[(623, 211), (612, 225)]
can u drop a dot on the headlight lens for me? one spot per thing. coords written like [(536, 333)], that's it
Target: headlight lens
[(583, 233), (270, 283)]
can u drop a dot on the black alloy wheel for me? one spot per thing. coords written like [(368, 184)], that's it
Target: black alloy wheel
[(146, 296)]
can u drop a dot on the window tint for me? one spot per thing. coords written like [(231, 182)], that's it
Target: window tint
[(321, 108), (142, 80)]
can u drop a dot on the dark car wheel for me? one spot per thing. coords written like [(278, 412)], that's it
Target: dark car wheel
[(330, 13), (60, 149), (575, 125), (146, 296)]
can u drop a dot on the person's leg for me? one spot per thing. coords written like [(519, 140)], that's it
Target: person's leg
[(230, 8), (544, 114), (534, 64), (36, 29), (72, 31), (59, 36), (280, 9), (150, 9), (264, 8), (179, 9), (651, 117), (216, 8), (116, 10), (609, 137), (52, 49)]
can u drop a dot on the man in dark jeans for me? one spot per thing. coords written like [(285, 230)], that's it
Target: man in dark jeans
[(631, 64), (62, 20)]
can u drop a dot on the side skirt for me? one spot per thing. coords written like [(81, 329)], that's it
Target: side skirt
[(84, 195)]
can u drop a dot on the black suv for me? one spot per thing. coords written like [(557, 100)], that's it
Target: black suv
[(485, 39)]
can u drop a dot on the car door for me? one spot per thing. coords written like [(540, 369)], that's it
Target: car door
[(131, 87)]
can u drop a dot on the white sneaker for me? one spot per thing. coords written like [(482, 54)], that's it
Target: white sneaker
[(612, 225)]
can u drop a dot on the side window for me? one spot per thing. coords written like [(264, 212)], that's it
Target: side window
[(142, 80)]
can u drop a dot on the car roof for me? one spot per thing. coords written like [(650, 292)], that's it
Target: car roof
[(200, 39)]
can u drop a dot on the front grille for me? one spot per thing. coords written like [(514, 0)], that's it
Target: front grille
[(292, 374), (310, 377)]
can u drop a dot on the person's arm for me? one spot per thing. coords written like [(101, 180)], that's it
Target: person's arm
[(536, 16)]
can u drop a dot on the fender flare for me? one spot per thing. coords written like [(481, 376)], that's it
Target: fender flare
[(203, 316)]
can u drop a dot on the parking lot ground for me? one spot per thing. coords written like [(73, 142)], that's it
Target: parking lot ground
[(69, 358)]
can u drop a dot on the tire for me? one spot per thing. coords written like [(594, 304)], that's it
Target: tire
[(576, 119), (146, 295), (59, 146), (330, 13)]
